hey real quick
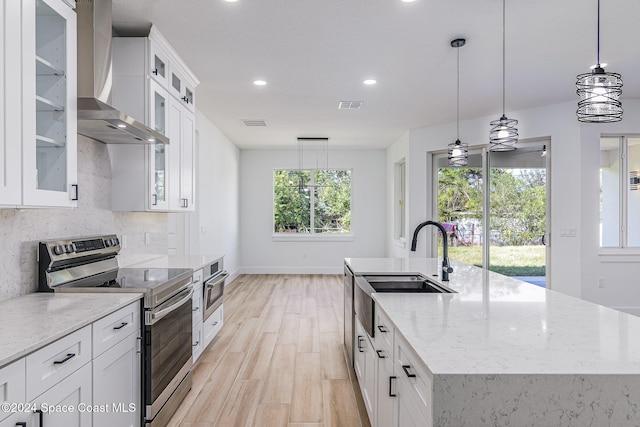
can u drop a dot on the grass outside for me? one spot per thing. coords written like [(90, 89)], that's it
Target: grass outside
[(507, 260)]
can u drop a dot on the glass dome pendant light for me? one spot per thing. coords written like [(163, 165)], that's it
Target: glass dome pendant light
[(504, 133), (458, 152), (599, 92)]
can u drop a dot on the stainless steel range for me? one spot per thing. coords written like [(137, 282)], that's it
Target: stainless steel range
[(89, 264)]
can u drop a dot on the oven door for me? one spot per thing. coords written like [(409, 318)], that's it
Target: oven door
[(213, 293), (168, 330)]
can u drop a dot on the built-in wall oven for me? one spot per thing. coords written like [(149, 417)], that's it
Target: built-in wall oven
[(90, 265), (213, 286)]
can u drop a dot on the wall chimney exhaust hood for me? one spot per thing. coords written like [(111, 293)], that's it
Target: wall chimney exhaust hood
[(96, 118)]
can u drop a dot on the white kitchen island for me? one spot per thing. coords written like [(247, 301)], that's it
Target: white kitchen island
[(501, 352)]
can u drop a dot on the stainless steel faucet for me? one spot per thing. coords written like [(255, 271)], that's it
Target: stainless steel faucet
[(446, 268)]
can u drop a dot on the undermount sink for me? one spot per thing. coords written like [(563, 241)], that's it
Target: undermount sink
[(413, 283)]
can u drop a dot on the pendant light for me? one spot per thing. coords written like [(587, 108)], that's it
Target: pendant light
[(599, 92), (458, 152), (504, 134)]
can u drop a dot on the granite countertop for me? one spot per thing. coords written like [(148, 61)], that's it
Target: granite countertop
[(499, 325), (35, 320), (194, 262)]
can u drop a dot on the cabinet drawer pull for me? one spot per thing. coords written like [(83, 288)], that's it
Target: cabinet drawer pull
[(75, 198), (391, 393), (122, 325), (68, 357), (21, 424), (195, 344), (383, 329), (195, 309), (359, 346), (214, 323), (381, 354), (155, 200), (406, 368)]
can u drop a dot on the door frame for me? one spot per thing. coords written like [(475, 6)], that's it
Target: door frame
[(484, 150)]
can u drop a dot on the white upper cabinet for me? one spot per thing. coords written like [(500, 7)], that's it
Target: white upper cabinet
[(10, 104), (38, 152), (153, 85)]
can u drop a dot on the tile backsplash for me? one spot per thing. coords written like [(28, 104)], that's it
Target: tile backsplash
[(22, 229)]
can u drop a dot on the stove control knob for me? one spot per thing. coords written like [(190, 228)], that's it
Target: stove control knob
[(116, 242), (107, 242), (58, 249), (69, 248)]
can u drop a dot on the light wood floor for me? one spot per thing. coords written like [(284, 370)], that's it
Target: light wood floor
[(278, 360)]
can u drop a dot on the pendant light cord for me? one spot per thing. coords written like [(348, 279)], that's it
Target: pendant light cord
[(598, 33), (458, 100), (503, 55)]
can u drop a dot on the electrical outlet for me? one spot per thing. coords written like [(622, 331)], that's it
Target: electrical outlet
[(123, 241), (568, 232), (147, 237), (601, 282)]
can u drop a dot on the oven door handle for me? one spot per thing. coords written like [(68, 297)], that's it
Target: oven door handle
[(211, 283), (175, 301)]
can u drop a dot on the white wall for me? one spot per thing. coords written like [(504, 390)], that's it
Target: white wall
[(22, 229), (214, 227), (576, 263), (260, 254)]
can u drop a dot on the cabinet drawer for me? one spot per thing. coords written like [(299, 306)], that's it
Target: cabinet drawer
[(53, 363), (416, 376), (197, 297), (384, 331), (212, 325), (115, 327), (197, 279), (197, 346), (12, 387)]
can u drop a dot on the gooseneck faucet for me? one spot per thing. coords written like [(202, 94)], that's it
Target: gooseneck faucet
[(446, 268)]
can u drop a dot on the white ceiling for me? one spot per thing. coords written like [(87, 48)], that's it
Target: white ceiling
[(315, 53)]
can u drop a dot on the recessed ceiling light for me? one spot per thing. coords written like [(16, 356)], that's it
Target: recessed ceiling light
[(231, 1), (370, 82), (408, 1), (122, 126), (259, 82)]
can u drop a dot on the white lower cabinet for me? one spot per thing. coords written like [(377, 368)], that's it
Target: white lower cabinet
[(212, 325), (396, 389), (90, 377), (63, 404), (116, 385), (366, 366), (198, 327)]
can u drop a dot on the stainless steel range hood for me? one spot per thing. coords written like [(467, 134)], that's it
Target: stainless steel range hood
[(97, 119)]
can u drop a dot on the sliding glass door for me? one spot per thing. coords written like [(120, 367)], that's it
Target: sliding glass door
[(511, 187)]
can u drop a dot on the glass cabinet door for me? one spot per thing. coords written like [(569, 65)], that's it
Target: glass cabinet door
[(158, 158), (158, 64), (49, 117)]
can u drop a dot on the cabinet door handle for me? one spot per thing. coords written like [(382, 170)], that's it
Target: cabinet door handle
[(185, 99), (214, 323), (359, 346), (68, 357), (195, 344), (76, 194), (406, 368), (21, 424), (155, 71), (383, 329), (185, 203), (122, 325), (391, 393), (195, 309), (381, 354), (155, 200), (40, 417)]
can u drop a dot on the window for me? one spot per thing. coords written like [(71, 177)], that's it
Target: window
[(399, 188), (312, 201), (619, 192)]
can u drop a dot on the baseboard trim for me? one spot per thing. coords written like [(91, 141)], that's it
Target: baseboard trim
[(291, 270)]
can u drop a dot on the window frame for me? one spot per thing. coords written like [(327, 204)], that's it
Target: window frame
[(623, 249), (312, 236)]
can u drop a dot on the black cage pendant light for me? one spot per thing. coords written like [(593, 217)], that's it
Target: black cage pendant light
[(599, 92), (458, 152), (504, 133)]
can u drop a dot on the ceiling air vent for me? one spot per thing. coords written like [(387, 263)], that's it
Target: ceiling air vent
[(349, 105), (254, 122)]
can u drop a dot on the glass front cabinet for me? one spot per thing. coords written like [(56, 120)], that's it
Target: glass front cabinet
[(49, 138)]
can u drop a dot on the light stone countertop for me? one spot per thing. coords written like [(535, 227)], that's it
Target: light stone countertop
[(35, 320), (194, 262), (499, 325)]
